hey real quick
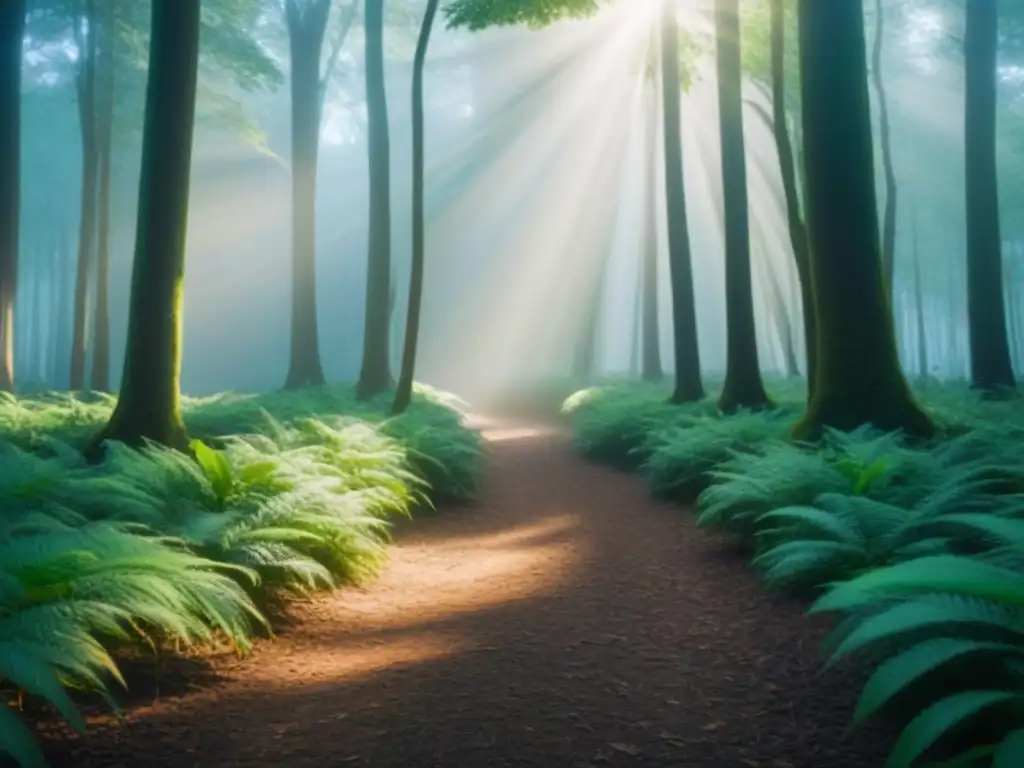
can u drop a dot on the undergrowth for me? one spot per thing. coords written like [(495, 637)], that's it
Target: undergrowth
[(920, 548), (287, 492)]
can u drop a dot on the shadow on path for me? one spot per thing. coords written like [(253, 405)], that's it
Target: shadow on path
[(563, 620)]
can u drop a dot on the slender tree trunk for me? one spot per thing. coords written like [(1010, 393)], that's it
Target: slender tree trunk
[(651, 369), (306, 29), (743, 387), (403, 394), (149, 405), (85, 82), (787, 165), (635, 337), (375, 373), (885, 136), (12, 32), (780, 316), (991, 369), (688, 385), (859, 376), (104, 146), (922, 338), (1012, 302)]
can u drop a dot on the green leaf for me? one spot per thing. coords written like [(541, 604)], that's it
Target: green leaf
[(899, 672), (1010, 753), (217, 469), (925, 729), (940, 573), (18, 741)]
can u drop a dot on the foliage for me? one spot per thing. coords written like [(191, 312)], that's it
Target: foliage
[(289, 492), (480, 14), (920, 545)]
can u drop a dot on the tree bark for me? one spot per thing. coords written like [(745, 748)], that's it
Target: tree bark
[(922, 337), (104, 102), (859, 379), (375, 373), (149, 405), (306, 29), (12, 32), (85, 86), (651, 369), (991, 368), (787, 165), (743, 388), (885, 137), (688, 386), (403, 394)]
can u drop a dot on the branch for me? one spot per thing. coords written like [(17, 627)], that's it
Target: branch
[(348, 18)]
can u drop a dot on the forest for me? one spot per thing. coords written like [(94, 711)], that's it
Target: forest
[(511, 382)]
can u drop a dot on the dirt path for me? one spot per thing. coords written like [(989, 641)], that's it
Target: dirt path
[(564, 620)]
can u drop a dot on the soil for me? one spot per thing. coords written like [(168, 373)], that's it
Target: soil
[(565, 619)]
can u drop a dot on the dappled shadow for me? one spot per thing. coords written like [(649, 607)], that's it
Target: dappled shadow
[(563, 620)]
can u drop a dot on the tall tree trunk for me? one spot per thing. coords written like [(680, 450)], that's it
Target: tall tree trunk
[(149, 405), (85, 85), (787, 165), (780, 317), (885, 136), (991, 369), (306, 28), (953, 308), (375, 373), (403, 394), (651, 345), (12, 32), (859, 376), (688, 385), (635, 337), (100, 380), (922, 338), (1012, 301), (743, 387)]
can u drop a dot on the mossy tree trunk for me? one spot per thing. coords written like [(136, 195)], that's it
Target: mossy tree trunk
[(787, 164), (375, 373), (885, 145), (743, 387), (149, 407), (104, 125), (991, 368), (650, 358), (307, 25), (859, 379), (403, 394), (12, 31), (688, 385), (87, 42)]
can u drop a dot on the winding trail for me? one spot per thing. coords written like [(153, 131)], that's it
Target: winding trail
[(563, 620)]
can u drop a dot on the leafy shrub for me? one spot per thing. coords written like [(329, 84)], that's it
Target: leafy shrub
[(290, 491), (681, 459), (949, 630)]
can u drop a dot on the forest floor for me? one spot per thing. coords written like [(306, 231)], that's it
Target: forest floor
[(563, 620)]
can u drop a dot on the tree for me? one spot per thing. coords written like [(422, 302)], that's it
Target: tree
[(403, 394), (650, 362), (991, 367), (781, 71), (12, 31), (307, 23), (885, 144), (859, 380), (688, 386), (104, 133), (148, 407), (743, 387), (375, 373), (85, 25), (480, 14)]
